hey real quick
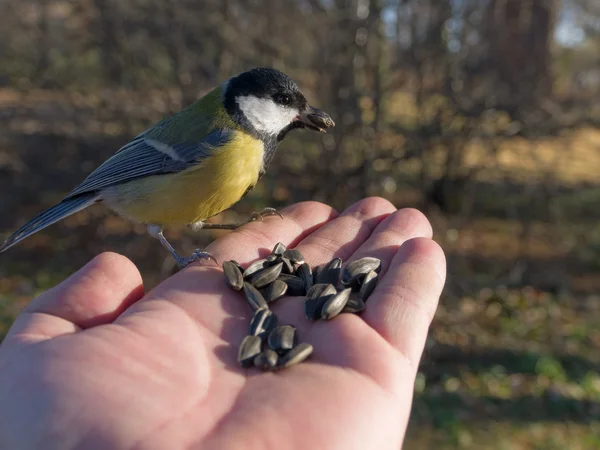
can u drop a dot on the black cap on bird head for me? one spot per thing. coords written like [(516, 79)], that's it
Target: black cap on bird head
[(269, 103)]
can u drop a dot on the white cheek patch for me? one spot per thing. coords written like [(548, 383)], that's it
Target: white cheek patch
[(265, 115)]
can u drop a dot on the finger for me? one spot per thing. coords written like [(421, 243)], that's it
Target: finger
[(391, 233), (382, 243), (94, 295), (404, 302), (342, 236), (256, 239)]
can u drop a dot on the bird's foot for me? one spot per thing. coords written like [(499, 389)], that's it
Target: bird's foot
[(264, 213), (197, 255)]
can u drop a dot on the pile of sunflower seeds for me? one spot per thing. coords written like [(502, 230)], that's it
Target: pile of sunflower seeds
[(328, 292)]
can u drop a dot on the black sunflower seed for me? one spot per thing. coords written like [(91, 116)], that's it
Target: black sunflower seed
[(281, 338), (296, 355), (295, 284), (265, 276), (356, 270), (316, 298), (354, 305), (255, 267), (278, 249), (305, 274), (233, 275), (262, 322), (334, 305), (288, 267), (272, 259), (330, 273), (266, 360), (294, 255), (368, 284), (273, 291), (248, 350), (254, 297)]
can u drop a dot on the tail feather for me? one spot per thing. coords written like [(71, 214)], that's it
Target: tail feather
[(52, 215)]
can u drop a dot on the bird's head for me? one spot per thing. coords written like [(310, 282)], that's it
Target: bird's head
[(271, 103)]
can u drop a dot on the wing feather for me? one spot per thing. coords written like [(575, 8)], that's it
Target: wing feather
[(144, 156)]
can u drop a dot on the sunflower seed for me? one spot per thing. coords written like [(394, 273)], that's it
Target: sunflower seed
[(296, 355), (334, 305), (265, 276), (318, 295), (248, 350), (320, 290), (233, 276), (266, 360), (354, 305), (237, 264), (288, 267), (272, 259), (274, 290), (255, 267), (305, 274), (254, 297), (368, 284), (330, 273), (316, 272), (278, 249), (294, 283), (262, 323), (294, 255), (281, 338), (354, 271)]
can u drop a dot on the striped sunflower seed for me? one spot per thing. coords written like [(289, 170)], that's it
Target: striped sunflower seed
[(255, 267), (233, 275), (316, 298), (272, 259), (334, 305), (254, 297), (330, 273), (262, 323), (295, 284), (320, 290), (296, 355), (266, 360), (294, 255), (248, 350), (237, 264), (354, 305), (278, 249), (274, 290), (288, 267), (356, 270), (368, 284), (265, 276), (304, 272), (281, 338)]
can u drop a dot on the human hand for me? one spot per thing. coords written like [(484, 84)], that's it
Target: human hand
[(95, 364)]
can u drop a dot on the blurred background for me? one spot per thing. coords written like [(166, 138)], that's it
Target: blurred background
[(485, 114)]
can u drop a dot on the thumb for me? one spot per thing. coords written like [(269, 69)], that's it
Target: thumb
[(94, 295)]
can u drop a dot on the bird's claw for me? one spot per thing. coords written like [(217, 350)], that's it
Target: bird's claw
[(264, 213), (197, 255)]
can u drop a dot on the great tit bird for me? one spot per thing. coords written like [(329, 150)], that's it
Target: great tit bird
[(196, 163)]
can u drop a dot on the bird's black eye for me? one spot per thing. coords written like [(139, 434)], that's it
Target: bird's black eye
[(282, 99)]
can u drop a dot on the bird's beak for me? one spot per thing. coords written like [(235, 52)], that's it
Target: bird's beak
[(315, 119)]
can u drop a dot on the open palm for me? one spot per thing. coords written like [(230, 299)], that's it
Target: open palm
[(96, 364)]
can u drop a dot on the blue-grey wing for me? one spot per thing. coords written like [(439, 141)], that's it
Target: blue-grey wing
[(144, 156)]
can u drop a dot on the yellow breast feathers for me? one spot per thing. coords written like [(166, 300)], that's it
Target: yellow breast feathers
[(196, 193)]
